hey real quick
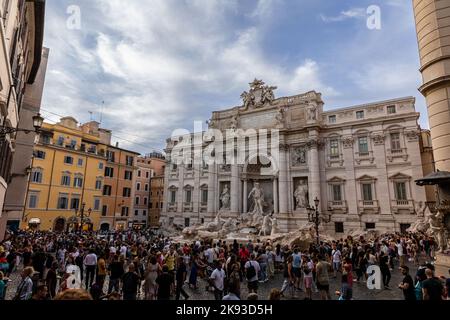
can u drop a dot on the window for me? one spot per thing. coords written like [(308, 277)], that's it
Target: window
[(174, 167), (139, 173), (100, 165), (125, 211), (370, 225), (104, 210), (80, 162), (337, 195), (129, 160), (136, 212), (109, 172), (75, 203), (187, 222), (400, 191), (68, 160), (395, 141), (151, 205), (391, 110), (359, 114), (96, 204), (146, 187), (339, 227), (98, 184), (110, 156), (144, 213), (60, 141), (137, 200), (145, 200), (78, 182), (332, 119), (106, 190), (128, 175), (63, 201), (72, 144), (65, 180), (363, 146), (138, 186), (36, 176), (147, 174), (39, 154), (45, 139), (173, 196), (33, 200), (126, 192), (161, 205), (367, 191), (334, 148), (204, 196), (188, 196)]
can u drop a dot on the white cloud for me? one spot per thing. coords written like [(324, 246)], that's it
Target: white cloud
[(354, 13)]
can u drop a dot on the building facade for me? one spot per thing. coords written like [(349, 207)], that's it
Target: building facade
[(67, 172), (360, 162), (21, 33), (119, 189), (432, 26), (143, 174)]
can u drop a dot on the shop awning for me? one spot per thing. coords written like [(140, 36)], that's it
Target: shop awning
[(35, 221)]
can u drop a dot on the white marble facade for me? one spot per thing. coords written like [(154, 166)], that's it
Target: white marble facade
[(361, 162)]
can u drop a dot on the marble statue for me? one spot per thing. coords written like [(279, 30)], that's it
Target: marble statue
[(420, 209), (438, 230), (266, 227), (225, 198), (275, 230), (300, 194), (234, 122), (258, 199), (248, 98), (280, 116), (267, 95), (312, 113), (229, 226)]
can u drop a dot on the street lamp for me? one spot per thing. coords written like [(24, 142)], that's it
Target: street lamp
[(37, 124), (315, 217), (81, 214)]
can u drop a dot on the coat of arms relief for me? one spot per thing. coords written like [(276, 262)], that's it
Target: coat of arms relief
[(259, 95)]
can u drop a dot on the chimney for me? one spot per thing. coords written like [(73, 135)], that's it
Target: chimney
[(117, 144)]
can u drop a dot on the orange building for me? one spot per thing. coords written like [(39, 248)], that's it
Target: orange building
[(118, 189)]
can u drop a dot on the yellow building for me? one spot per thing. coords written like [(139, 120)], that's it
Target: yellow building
[(67, 172)]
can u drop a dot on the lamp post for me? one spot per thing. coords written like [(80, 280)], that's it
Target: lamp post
[(80, 213), (37, 124), (315, 217)]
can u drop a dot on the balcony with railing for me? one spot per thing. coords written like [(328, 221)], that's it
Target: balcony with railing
[(406, 206), (172, 207), (338, 206), (335, 160), (397, 153), (364, 157), (368, 206), (188, 207)]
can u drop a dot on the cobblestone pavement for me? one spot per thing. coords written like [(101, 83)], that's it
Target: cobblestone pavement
[(360, 291)]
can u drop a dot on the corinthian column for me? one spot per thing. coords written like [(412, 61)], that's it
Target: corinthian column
[(283, 180), (212, 189), (314, 184), (234, 193)]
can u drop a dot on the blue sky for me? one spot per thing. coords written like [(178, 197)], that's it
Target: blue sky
[(158, 65)]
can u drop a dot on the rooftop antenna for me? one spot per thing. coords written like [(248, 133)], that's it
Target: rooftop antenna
[(90, 112), (101, 112)]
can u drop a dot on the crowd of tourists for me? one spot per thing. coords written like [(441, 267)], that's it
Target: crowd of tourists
[(138, 265)]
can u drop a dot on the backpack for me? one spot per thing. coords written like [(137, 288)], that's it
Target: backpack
[(250, 272)]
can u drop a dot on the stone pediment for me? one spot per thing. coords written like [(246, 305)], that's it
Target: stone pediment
[(400, 176), (336, 179), (366, 178)]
